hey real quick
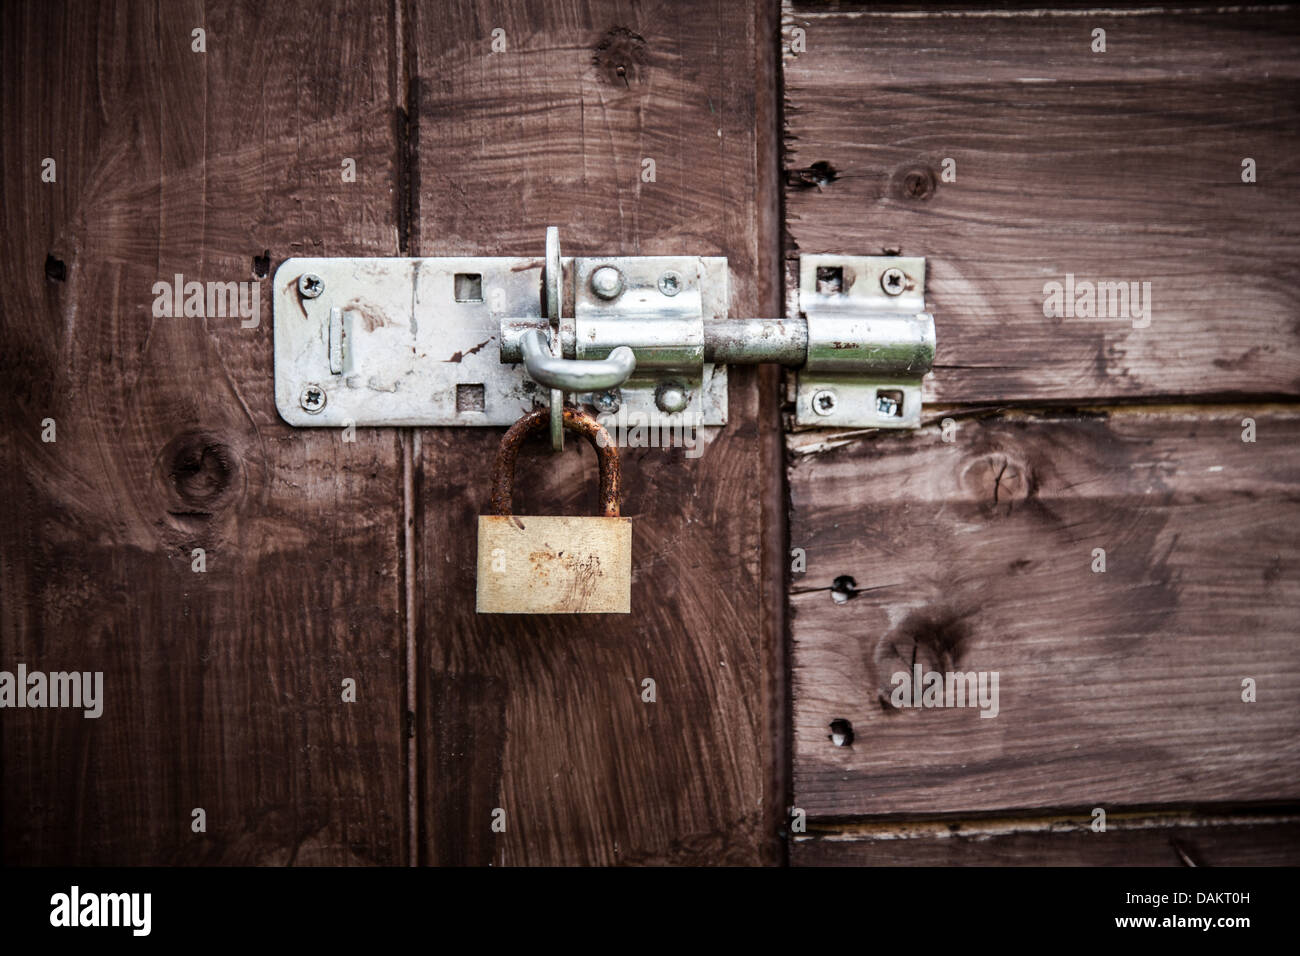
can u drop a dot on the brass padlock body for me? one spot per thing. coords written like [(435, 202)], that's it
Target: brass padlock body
[(540, 564)]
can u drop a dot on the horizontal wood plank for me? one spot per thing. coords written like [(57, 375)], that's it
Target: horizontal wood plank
[(1122, 166), (1117, 688)]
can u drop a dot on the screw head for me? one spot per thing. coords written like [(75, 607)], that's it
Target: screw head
[(310, 286), (823, 401), (893, 281), (670, 283), (672, 397), (312, 399), (607, 282), (886, 406), (607, 402)]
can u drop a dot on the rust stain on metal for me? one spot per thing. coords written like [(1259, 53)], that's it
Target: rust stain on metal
[(575, 420), (372, 317), (458, 356)]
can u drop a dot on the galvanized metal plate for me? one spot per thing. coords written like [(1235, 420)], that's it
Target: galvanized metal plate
[(405, 341), (844, 402), (863, 309)]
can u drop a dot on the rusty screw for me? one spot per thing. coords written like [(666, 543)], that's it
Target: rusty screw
[(310, 286), (312, 399), (892, 281)]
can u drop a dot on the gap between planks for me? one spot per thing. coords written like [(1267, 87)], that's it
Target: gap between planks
[(802, 443), (404, 64), (1040, 13), (410, 442), (968, 828)]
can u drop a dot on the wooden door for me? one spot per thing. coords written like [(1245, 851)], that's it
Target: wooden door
[(228, 574), (293, 669)]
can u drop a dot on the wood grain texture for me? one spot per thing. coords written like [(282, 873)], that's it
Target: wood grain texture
[(1122, 166), (1120, 688), (1184, 839), (554, 131), (223, 689)]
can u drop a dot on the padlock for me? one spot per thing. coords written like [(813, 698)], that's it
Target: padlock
[(534, 564)]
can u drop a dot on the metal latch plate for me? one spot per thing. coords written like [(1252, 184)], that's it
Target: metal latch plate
[(416, 341)]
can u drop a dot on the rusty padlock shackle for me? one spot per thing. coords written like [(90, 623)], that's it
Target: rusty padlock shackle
[(503, 468)]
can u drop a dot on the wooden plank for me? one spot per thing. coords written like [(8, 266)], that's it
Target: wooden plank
[(1168, 840), (1121, 688), (1116, 166), (222, 690), (555, 130)]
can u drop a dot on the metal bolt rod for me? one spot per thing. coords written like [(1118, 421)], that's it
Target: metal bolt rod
[(897, 348), (752, 341)]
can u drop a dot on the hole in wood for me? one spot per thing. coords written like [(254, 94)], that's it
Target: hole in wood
[(470, 398), (841, 733), (819, 175), (830, 280), (262, 264), (469, 288), (843, 588), (55, 269)]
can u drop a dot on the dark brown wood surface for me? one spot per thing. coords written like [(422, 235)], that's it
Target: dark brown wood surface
[(1181, 839), (543, 717), (328, 559), (223, 689), (1115, 166), (1116, 689), (1121, 689)]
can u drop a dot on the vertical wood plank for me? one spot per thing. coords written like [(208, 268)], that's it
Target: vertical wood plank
[(222, 689), (554, 130)]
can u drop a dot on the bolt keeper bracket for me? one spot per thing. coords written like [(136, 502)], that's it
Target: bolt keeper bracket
[(870, 341)]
